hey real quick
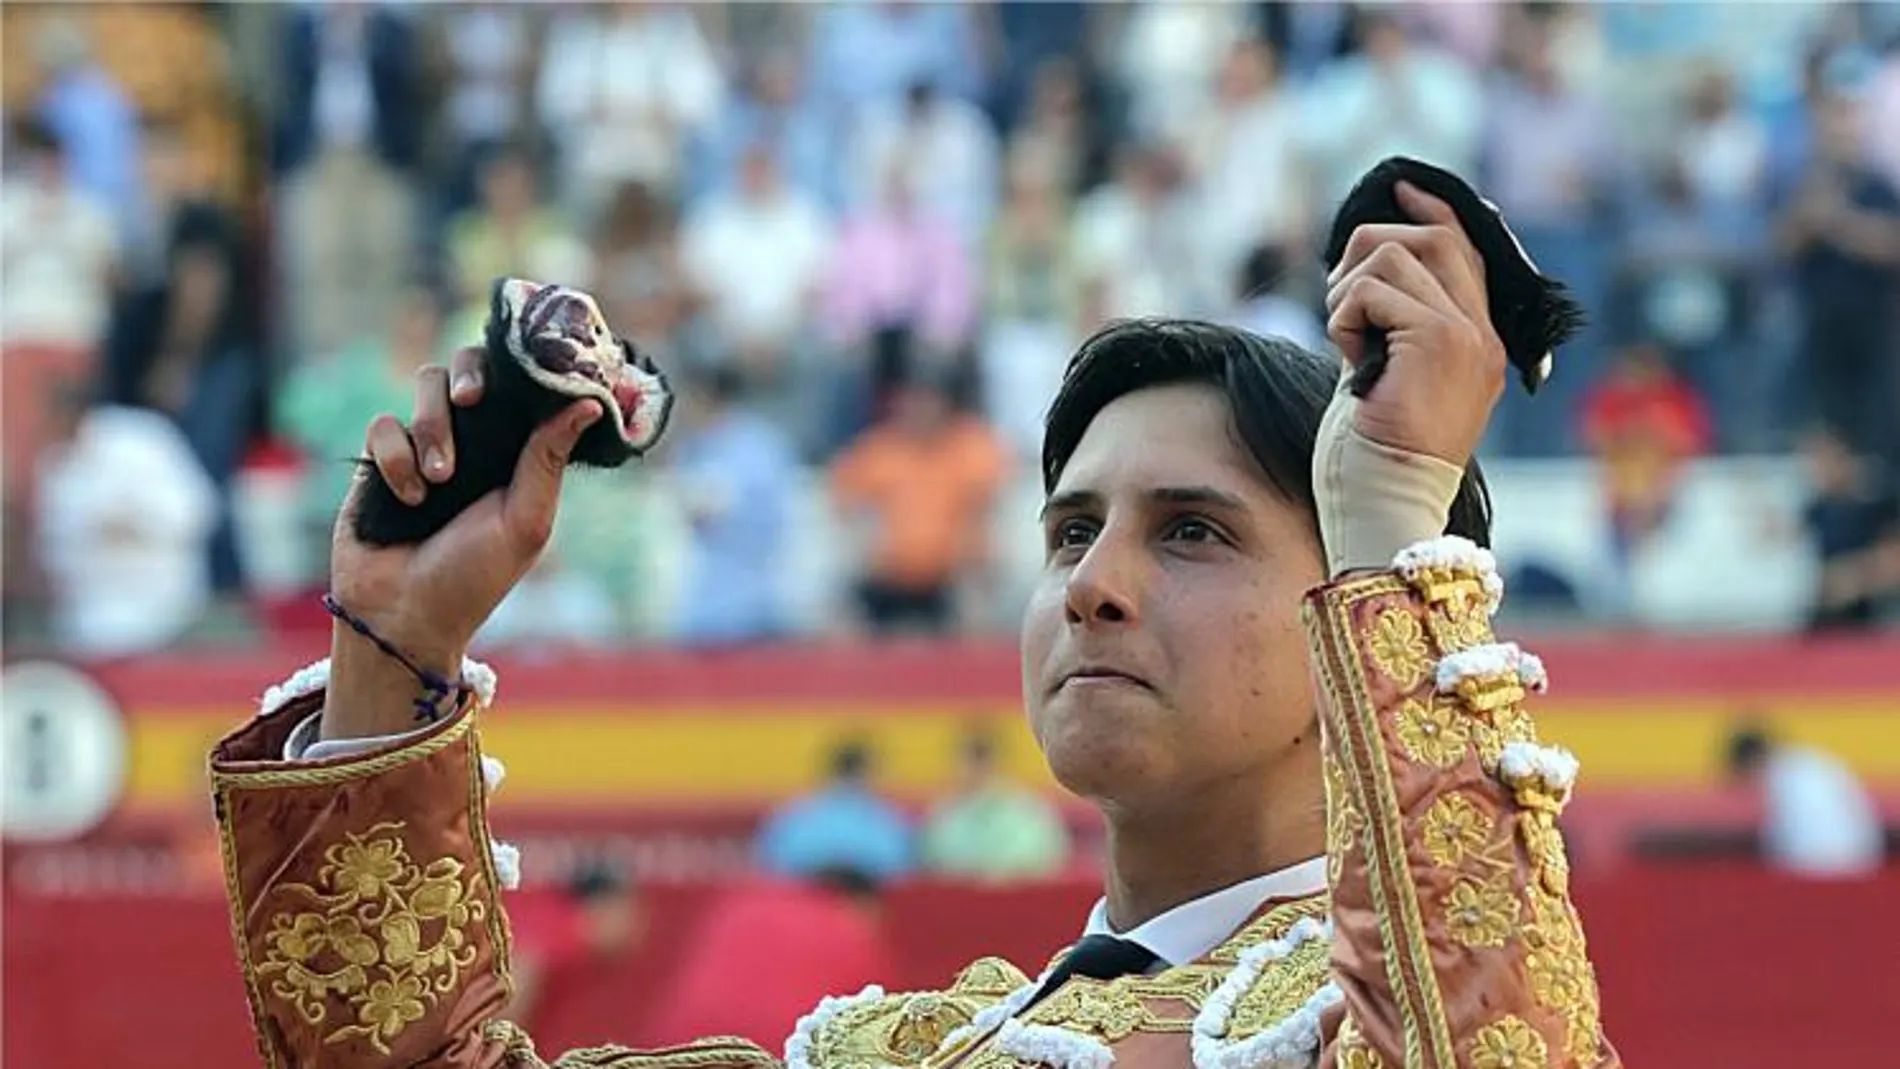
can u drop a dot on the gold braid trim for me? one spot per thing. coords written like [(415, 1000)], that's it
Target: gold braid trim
[(723, 1052), (288, 774), (1369, 775)]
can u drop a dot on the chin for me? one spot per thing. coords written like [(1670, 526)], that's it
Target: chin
[(1101, 750)]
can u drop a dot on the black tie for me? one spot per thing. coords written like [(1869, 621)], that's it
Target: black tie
[(1098, 957)]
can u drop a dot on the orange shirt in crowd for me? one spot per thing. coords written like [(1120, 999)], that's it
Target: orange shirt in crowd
[(930, 495)]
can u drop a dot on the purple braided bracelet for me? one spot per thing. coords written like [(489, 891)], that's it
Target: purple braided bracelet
[(435, 687)]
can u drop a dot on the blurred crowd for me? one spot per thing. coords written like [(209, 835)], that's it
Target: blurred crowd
[(864, 238)]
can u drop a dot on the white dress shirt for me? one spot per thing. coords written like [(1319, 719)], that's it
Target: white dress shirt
[(1188, 931)]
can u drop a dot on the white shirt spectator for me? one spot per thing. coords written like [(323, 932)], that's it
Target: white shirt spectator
[(1137, 253), (759, 255), (124, 513), (1819, 820), (1420, 103), (1246, 149), (1168, 53), (949, 153), (57, 248), (621, 90)]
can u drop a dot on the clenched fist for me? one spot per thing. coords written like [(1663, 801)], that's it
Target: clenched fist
[(1387, 467), (1423, 286)]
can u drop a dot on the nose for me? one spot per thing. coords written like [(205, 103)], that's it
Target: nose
[(1104, 588)]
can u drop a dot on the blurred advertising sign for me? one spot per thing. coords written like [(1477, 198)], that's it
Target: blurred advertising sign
[(62, 752)]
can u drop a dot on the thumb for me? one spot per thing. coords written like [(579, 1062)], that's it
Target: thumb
[(535, 492)]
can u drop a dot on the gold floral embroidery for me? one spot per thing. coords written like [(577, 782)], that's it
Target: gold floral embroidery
[(1112, 1012), (1490, 732), (1343, 820), (1432, 734), (1280, 990), (1455, 826), (1508, 1043), (1398, 648), (384, 934), (1480, 914), (1560, 973), (921, 1026), (1460, 624), (1353, 1051)]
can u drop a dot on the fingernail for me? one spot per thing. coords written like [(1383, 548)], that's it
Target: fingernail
[(437, 463), (412, 493), (585, 417), (464, 382)]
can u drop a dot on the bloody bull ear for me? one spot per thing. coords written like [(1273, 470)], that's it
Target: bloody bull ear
[(1532, 312)]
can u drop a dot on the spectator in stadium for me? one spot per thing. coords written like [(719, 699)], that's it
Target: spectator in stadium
[(345, 144), (326, 401), (596, 913), (1395, 96), (1842, 233), (946, 149), (1548, 164), (187, 348), (1030, 301), (1245, 149), (771, 109), (864, 56), (642, 285), (1817, 817), (991, 829), (736, 473), (58, 249), (768, 950), (622, 89), (1135, 249), (1269, 302), (87, 112), (1643, 424), (756, 256), (124, 513), (483, 60), (926, 478), (513, 232), (1853, 523), (844, 825), (896, 263)]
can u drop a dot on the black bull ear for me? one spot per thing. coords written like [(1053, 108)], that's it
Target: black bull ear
[(1532, 312)]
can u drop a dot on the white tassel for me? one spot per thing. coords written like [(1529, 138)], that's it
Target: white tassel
[(1492, 659), (305, 681), (1291, 1043), (798, 1044), (1523, 763), (990, 1017), (1453, 553), (493, 772), (314, 677), (507, 858), (1041, 1044)]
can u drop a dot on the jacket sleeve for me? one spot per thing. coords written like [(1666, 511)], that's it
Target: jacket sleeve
[(364, 893), (1455, 941)]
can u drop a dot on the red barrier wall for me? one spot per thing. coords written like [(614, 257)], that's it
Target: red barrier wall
[(1716, 966)]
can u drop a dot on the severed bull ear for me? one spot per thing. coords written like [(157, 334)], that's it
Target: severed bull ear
[(1532, 312)]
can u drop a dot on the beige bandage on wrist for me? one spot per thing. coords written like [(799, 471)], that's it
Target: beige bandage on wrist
[(1374, 500)]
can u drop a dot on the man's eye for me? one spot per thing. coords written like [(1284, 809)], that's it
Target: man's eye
[(1071, 534), (1191, 530)]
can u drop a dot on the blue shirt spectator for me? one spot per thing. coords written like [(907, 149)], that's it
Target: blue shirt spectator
[(774, 111), (737, 471), (94, 122), (844, 825), (872, 53)]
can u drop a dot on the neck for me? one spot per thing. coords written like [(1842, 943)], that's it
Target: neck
[(1159, 859)]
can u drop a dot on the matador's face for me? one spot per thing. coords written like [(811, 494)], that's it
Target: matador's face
[(1162, 652)]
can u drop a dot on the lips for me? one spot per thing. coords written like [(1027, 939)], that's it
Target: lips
[(1102, 675)]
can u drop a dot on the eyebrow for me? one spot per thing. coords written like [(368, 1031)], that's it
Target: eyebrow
[(1080, 500)]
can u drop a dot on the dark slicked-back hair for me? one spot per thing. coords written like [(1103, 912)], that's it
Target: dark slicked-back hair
[(1276, 391)]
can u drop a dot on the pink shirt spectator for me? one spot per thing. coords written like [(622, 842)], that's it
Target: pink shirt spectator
[(895, 267)]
